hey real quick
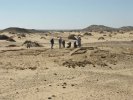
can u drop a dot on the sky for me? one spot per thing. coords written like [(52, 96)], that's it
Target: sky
[(65, 14)]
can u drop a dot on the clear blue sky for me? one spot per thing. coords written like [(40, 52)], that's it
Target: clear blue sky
[(65, 14)]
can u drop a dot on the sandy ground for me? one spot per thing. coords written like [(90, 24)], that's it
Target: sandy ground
[(100, 70)]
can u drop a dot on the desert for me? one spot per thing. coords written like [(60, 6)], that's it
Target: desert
[(101, 69)]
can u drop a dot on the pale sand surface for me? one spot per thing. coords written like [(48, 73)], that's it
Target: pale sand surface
[(104, 71)]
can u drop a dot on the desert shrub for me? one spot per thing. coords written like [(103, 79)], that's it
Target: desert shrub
[(89, 34), (42, 38), (101, 38), (32, 44)]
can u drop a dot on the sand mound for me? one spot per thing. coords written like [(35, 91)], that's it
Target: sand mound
[(15, 30), (96, 57), (4, 37)]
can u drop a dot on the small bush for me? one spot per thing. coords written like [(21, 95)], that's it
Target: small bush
[(101, 38), (89, 34), (32, 44)]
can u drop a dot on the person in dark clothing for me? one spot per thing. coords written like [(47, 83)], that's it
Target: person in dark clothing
[(60, 42), (75, 45), (63, 43), (79, 41), (69, 45), (52, 43)]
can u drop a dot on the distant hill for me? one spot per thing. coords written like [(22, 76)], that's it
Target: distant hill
[(16, 30), (97, 28), (126, 28), (20, 30), (92, 28), (23, 30)]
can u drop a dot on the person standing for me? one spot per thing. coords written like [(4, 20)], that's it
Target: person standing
[(52, 43), (75, 44), (60, 42), (79, 41), (63, 43)]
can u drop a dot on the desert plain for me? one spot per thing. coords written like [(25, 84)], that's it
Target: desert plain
[(102, 69)]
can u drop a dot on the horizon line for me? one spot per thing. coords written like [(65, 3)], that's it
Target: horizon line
[(64, 28)]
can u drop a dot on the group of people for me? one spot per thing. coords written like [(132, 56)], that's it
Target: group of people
[(61, 43), (77, 43)]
